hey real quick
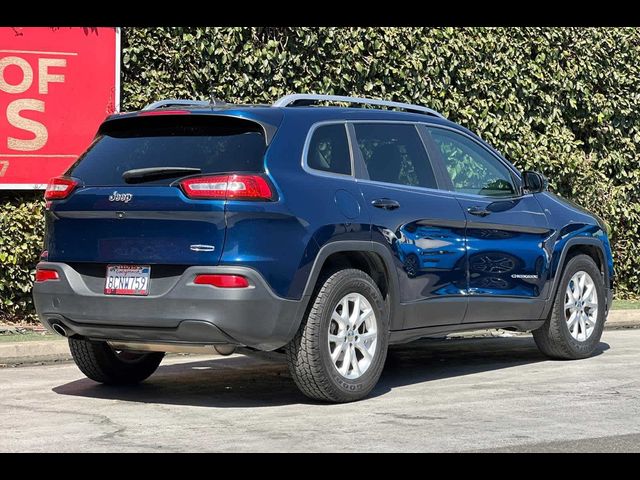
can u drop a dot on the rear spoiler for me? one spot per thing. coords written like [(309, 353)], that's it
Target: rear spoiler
[(236, 114)]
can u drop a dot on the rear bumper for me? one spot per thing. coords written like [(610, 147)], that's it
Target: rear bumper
[(180, 311)]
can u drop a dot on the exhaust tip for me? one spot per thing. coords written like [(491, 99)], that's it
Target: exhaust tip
[(59, 329), (224, 349)]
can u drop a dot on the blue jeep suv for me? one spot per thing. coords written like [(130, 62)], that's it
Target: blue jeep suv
[(325, 232)]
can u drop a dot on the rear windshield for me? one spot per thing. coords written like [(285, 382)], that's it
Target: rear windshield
[(212, 144)]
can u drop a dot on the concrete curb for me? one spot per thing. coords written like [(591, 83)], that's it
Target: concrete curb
[(12, 353), (622, 319), (15, 353)]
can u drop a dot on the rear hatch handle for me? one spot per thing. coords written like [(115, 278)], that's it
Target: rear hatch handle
[(138, 175)]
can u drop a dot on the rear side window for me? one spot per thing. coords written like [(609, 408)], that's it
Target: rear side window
[(394, 153), (329, 150), (211, 144)]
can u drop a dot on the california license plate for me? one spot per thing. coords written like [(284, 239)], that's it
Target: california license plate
[(127, 280)]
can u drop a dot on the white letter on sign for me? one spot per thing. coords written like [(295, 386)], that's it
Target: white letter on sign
[(45, 78), (27, 75), (38, 129)]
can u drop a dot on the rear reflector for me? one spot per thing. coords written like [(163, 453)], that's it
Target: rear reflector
[(236, 187), (59, 188), (222, 281), (43, 275)]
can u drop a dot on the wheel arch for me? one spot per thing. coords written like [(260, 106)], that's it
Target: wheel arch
[(370, 257), (591, 247)]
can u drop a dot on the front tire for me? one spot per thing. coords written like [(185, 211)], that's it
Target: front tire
[(99, 362), (576, 321), (339, 351)]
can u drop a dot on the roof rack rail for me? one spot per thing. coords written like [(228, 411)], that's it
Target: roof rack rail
[(304, 99), (172, 102)]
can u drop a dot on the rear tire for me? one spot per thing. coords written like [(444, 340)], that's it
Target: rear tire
[(357, 340), (556, 338), (99, 362)]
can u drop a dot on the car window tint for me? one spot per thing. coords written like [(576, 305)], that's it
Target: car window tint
[(211, 143), (394, 153), (472, 169), (329, 150)]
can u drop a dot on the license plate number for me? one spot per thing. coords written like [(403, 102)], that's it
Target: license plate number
[(127, 280)]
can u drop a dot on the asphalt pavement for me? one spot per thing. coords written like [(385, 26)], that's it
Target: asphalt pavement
[(469, 394)]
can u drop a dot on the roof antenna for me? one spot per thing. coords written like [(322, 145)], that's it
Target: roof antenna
[(213, 101), (216, 102)]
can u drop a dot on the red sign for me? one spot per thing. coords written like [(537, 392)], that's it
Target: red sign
[(57, 84)]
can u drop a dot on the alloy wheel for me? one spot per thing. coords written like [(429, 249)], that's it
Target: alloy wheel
[(581, 306), (353, 336)]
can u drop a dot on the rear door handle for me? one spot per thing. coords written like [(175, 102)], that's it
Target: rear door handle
[(385, 203), (478, 211)]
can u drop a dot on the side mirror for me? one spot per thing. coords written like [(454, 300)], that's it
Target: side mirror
[(534, 182)]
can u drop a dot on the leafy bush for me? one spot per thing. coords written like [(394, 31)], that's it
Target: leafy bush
[(564, 101), (21, 228)]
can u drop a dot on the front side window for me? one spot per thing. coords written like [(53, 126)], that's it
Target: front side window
[(329, 150), (394, 153), (472, 169)]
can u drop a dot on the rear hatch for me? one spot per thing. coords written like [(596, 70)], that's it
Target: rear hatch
[(128, 205)]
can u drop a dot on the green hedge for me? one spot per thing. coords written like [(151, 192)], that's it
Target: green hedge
[(561, 100), (21, 228), (564, 101)]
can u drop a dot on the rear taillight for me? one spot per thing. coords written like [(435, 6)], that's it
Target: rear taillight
[(59, 188), (43, 275), (222, 280), (235, 186)]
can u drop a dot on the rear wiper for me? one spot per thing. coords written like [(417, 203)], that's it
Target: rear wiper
[(138, 175)]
